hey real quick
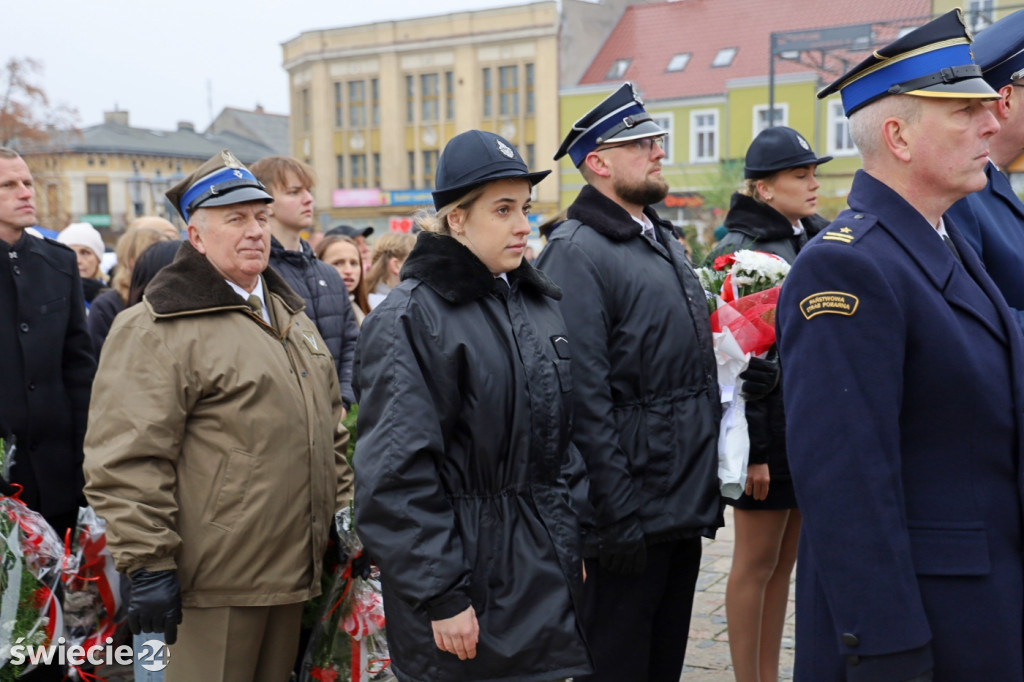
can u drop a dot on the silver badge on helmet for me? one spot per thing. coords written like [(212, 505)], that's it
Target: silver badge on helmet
[(803, 142), (505, 149), (636, 95)]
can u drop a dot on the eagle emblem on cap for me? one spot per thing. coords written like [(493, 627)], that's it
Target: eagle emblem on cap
[(803, 142), (237, 173), (636, 95), (505, 149)]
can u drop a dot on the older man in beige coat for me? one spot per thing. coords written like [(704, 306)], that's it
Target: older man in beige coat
[(214, 450)]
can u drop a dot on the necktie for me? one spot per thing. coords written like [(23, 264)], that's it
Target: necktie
[(256, 304), (501, 288), (949, 243)]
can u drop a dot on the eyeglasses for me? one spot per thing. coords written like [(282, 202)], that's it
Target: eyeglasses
[(644, 144)]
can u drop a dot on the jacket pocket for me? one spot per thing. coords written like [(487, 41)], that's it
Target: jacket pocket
[(564, 375), (230, 493), (960, 549), (55, 306)]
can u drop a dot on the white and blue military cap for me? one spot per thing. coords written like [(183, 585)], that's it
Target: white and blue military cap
[(221, 181), (619, 118), (999, 50), (931, 61)]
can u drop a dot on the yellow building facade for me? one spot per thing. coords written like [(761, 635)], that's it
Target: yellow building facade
[(373, 106)]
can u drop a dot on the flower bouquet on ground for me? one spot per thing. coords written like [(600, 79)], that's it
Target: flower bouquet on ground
[(31, 560), (742, 325), (348, 643), (92, 594)]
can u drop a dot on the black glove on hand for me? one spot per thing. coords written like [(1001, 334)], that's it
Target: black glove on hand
[(760, 378), (622, 548), (361, 565), (155, 603)]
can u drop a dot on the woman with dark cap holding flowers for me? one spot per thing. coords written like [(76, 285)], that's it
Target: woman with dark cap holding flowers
[(774, 212), (468, 487)]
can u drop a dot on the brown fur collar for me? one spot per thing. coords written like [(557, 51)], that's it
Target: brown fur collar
[(191, 283)]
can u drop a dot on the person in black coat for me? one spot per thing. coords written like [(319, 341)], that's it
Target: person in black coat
[(289, 181), (773, 213), (46, 360), (467, 482), (647, 405)]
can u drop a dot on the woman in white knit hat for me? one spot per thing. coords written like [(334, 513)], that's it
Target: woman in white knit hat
[(87, 244)]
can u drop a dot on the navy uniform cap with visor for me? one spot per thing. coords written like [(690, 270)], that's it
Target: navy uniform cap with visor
[(221, 181), (474, 158), (931, 61), (999, 50), (778, 148), (619, 118)]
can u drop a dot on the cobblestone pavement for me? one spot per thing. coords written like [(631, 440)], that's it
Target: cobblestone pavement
[(707, 653)]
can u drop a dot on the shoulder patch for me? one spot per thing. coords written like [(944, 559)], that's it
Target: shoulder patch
[(848, 227), (839, 234), (836, 302)]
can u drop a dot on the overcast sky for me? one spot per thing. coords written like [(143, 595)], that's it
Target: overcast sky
[(180, 59)]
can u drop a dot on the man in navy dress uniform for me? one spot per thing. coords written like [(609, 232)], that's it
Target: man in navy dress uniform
[(903, 393), (992, 220)]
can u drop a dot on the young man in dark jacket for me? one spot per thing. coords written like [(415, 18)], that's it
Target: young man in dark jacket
[(290, 182), (646, 397)]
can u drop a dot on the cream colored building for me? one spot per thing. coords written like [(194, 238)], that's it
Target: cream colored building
[(372, 106)]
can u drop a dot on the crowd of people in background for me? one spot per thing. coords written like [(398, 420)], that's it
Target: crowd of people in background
[(537, 458)]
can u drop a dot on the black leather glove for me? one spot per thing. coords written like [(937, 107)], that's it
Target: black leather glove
[(761, 377), (622, 549), (155, 603), (361, 565)]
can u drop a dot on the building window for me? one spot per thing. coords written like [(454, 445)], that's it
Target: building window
[(838, 139), (340, 162), (724, 57), (410, 99), (412, 170), (678, 62), (508, 79), (488, 93), (530, 153), (358, 165), (429, 97), (703, 136), (664, 122), (618, 69), (762, 120), (97, 201), (429, 167), (357, 104), (375, 101), (339, 107), (376, 170), (979, 14), (530, 105), (449, 96), (304, 109)]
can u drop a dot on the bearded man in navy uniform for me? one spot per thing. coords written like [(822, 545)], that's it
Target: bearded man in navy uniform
[(903, 393)]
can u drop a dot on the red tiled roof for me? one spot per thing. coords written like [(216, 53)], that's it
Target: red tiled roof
[(649, 35)]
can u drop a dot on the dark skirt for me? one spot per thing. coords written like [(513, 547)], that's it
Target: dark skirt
[(780, 496)]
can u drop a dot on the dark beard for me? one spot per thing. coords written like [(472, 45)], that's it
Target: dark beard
[(642, 194)]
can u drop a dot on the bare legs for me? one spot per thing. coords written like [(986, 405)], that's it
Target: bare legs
[(758, 590)]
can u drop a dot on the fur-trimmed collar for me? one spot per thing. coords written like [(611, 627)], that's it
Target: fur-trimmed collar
[(760, 221), (604, 215), (449, 268), (191, 284)]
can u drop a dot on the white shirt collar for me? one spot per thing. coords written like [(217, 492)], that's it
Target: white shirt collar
[(257, 292)]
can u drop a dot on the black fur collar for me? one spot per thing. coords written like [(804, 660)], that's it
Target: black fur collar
[(593, 208), (458, 276), (190, 283)]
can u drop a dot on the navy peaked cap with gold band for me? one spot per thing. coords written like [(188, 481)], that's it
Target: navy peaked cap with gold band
[(221, 181), (931, 61), (620, 117), (999, 50)]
